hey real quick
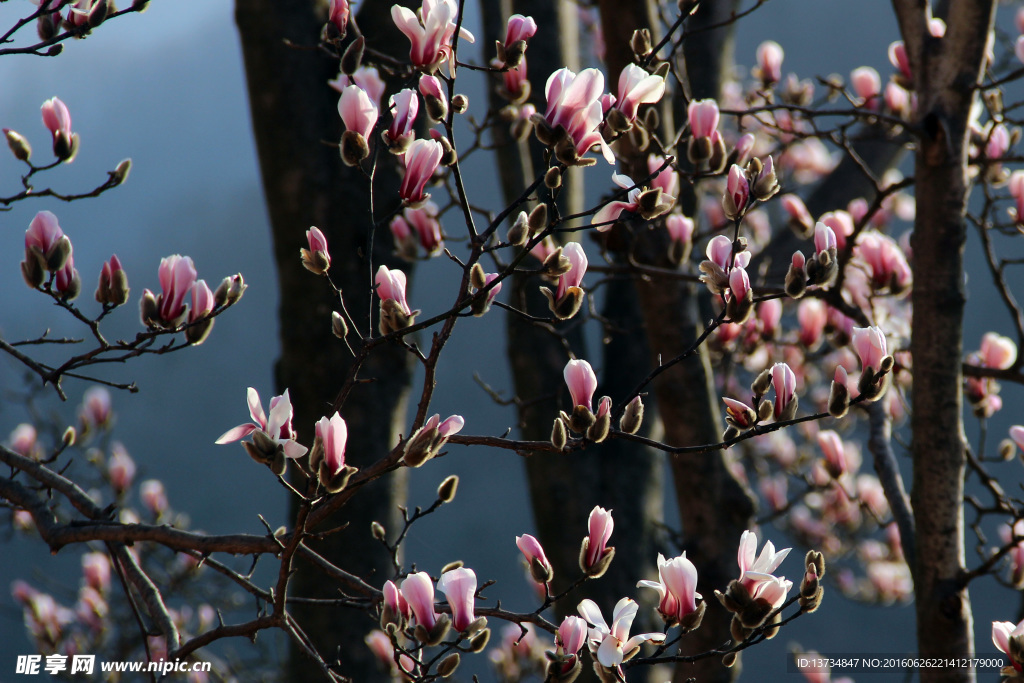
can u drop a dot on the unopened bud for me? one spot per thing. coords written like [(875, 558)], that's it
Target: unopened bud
[(19, 145), (352, 58), (460, 103), (553, 178), (120, 173), (448, 665), (479, 642), (729, 659), (796, 281), (446, 491), (598, 431), (762, 383), (617, 121), (354, 148), (477, 277), (456, 564), (98, 13), (437, 108), (558, 434), (764, 411), (513, 56), (230, 290), (519, 233), (448, 156), (58, 255), (641, 43), (651, 117), (338, 325), (730, 433), (69, 437), (885, 365), (378, 531), (1007, 449), (538, 219), (632, 416), (32, 269)]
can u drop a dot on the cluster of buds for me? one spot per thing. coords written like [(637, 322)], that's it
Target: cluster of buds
[(428, 440), (811, 590), (876, 363), (167, 310), (756, 182), (570, 265), (755, 598), (740, 417), (113, 288), (721, 261)]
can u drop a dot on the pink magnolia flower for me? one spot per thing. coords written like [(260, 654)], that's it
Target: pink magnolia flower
[(899, 59), (869, 343), (1002, 631), (515, 80), (784, 381), (737, 193), (574, 102), (23, 441), (428, 229), (421, 160), (452, 424), (357, 112), (391, 286), (459, 587), (45, 237), (835, 454), (769, 61), (582, 383), (1016, 554), (744, 148), (96, 410), (824, 238), (739, 413), (574, 277), (418, 591), (57, 120), (610, 644), (337, 14), (153, 496), (719, 252), (680, 228), (177, 275), (667, 180), (120, 468), (366, 77), (813, 317), (739, 283), (998, 351), (406, 105), (202, 301), (571, 636), (600, 526), (867, 85), (677, 588), (533, 551), (430, 31), (889, 267), (519, 28), (769, 314), (757, 569), (841, 223), (333, 434), (703, 116), (636, 87), (1016, 188), (611, 211), (395, 601), (96, 571), (277, 428)]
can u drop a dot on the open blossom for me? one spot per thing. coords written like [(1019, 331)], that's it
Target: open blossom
[(405, 106), (756, 570), (610, 644), (459, 587), (885, 259), (574, 103), (677, 588), (582, 383), (636, 87), (278, 427), (1002, 631), (870, 345), (667, 179), (430, 31), (421, 160), (612, 210)]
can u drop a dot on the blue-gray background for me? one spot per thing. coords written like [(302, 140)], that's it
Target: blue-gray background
[(167, 89)]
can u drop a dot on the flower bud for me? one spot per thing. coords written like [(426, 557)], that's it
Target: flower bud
[(764, 411), (558, 434), (477, 277), (352, 58), (354, 148), (19, 145), (479, 642), (69, 437), (729, 658), (58, 255), (448, 665), (338, 325), (796, 277), (730, 433), (230, 290), (632, 417), (32, 269), (1007, 449), (538, 219), (448, 156), (762, 383), (460, 103), (641, 43), (519, 233), (378, 531), (598, 431), (553, 178), (446, 491)]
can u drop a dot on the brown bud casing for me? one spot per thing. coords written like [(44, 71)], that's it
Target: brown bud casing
[(632, 417), (352, 58), (446, 491), (558, 434), (354, 148)]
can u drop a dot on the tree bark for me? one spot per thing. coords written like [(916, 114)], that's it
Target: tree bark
[(294, 111), (945, 71)]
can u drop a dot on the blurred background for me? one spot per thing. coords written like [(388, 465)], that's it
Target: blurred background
[(167, 89)]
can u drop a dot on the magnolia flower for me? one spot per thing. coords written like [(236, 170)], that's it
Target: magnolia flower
[(421, 160), (611, 211), (418, 591), (333, 435), (459, 587), (784, 382), (430, 32), (835, 454), (737, 193), (510, 53), (278, 428), (757, 569), (599, 525), (637, 87), (120, 468), (1002, 631), (405, 106), (886, 261), (96, 410), (867, 85), (997, 351), (574, 103), (112, 289), (540, 567), (869, 343), (337, 14), (357, 111), (677, 588), (769, 62), (391, 287), (177, 275), (719, 252), (57, 120), (611, 645), (366, 77), (582, 382)]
